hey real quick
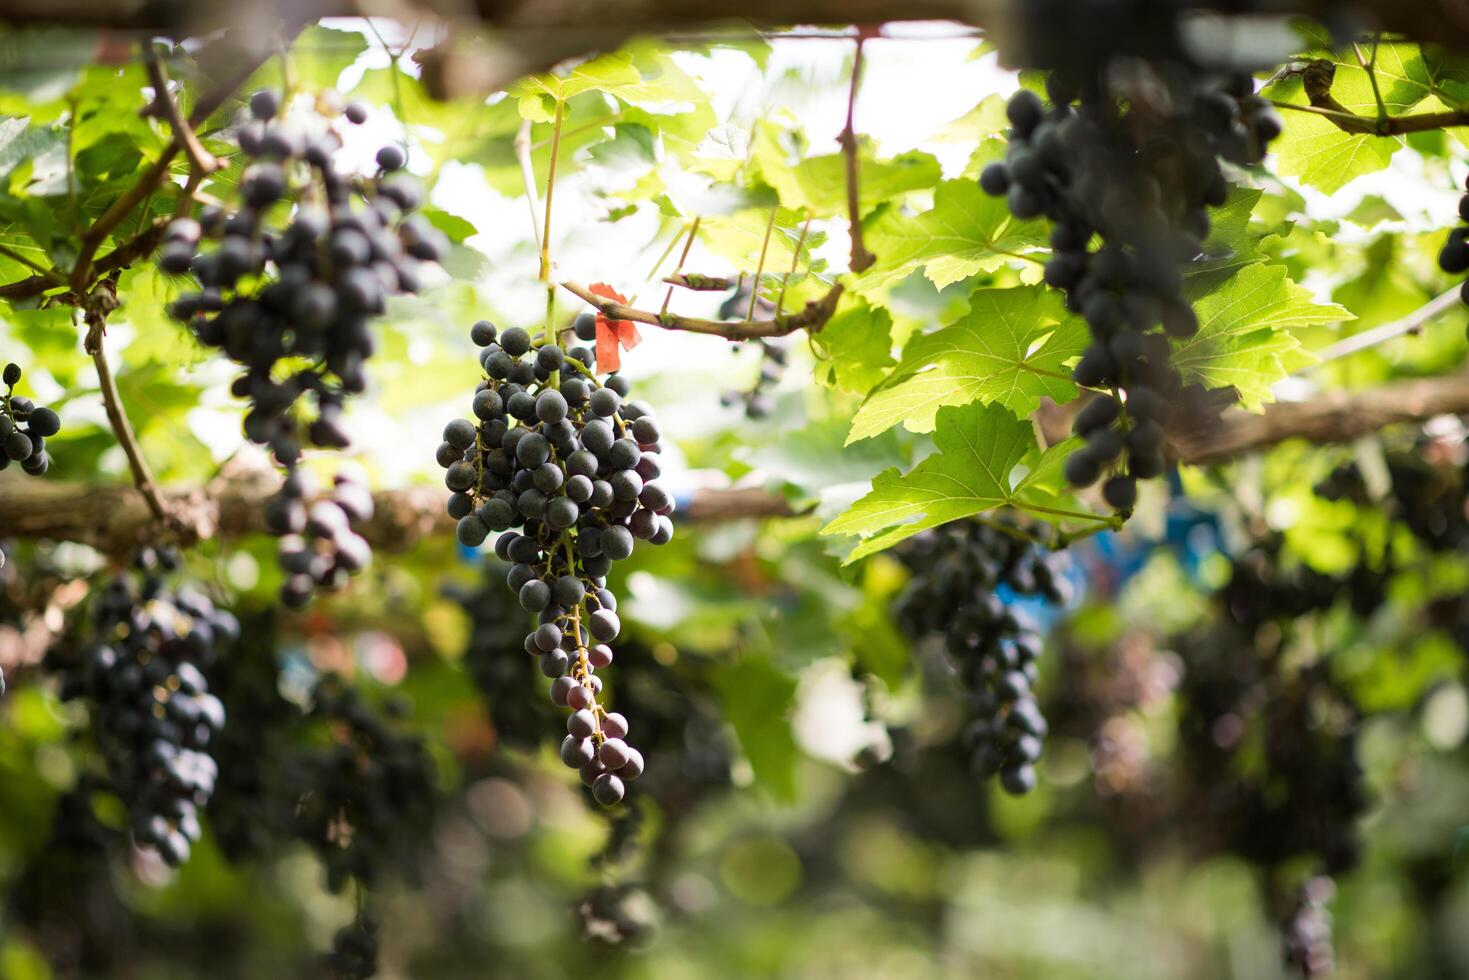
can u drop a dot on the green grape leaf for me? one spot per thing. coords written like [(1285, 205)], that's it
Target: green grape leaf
[(723, 152), (812, 466), (20, 141), (757, 698), (1009, 348), (819, 184), (985, 120), (979, 448), (320, 55), (1244, 339), (1044, 483), (856, 346), (1231, 243), (740, 237), (965, 232), (641, 77), (1372, 211), (1316, 150)]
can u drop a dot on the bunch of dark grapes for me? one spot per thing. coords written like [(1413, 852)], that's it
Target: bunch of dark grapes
[(1298, 800), (496, 661), (1303, 791), (570, 463), (139, 669), (1427, 497), (318, 549), (1126, 178), (1453, 258), (295, 276), (24, 428), (252, 811), (366, 798), (958, 572), (757, 399), (340, 777)]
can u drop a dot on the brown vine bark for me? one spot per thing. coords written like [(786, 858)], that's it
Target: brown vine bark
[(116, 518), (581, 26)]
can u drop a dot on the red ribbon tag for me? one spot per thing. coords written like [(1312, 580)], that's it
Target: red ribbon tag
[(613, 332)]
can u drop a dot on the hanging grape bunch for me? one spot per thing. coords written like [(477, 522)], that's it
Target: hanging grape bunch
[(366, 796), (24, 428), (757, 399), (291, 284), (364, 799), (140, 673), (1454, 256), (959, 573), (319, 548), (1134, 171), (569, 464)]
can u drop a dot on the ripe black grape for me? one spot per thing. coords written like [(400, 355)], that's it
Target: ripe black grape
[(1453, 258), (24, 428)]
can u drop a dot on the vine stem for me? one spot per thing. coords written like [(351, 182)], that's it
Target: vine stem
[(1018, 533), (1413, 323), (1369, 65), (780, 300), (545, 275), (668, 250), (1066, 538), (583, 369), (528, 178), (1111, 522), (201, 161), (815, 315), (861, 258), (147, 182), (682, 258), (1350, 122), (760, 267), (704, 284), (112, 402)]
